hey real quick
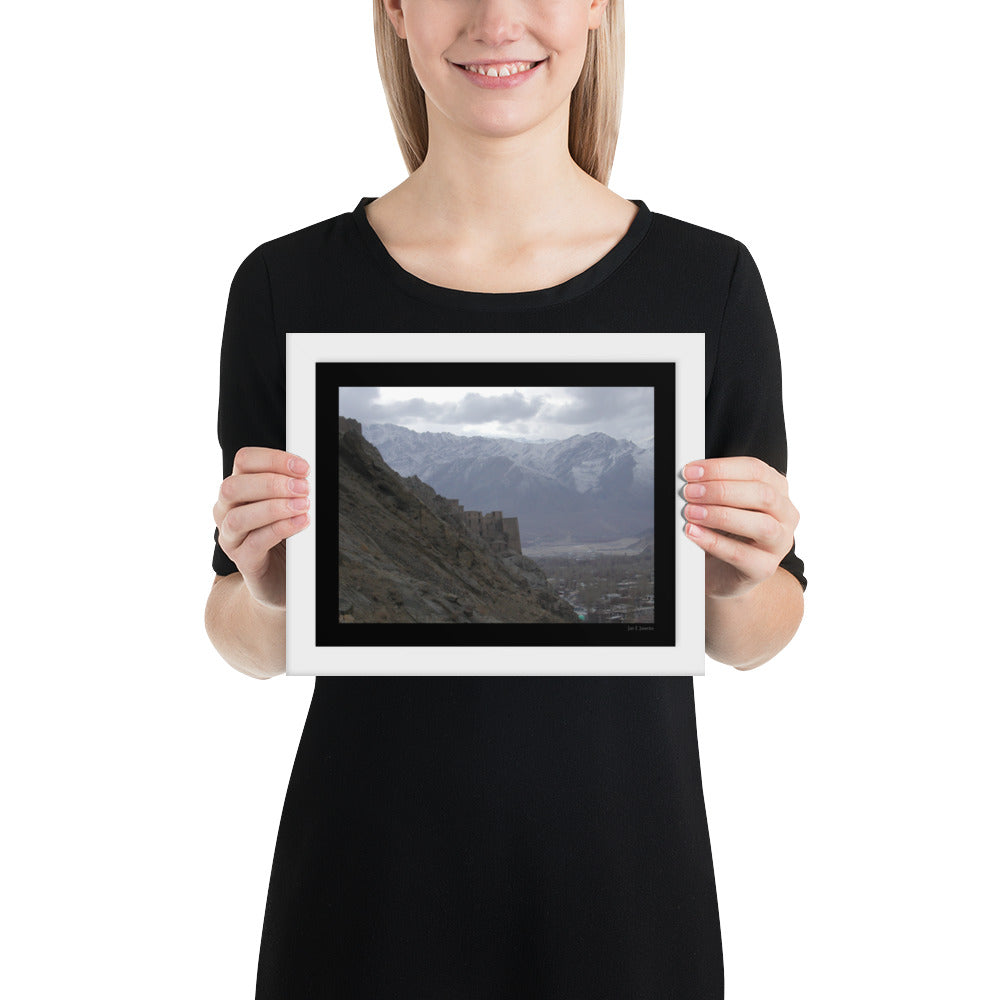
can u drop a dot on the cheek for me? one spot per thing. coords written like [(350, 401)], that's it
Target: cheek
[(425, 50), (565, 32)]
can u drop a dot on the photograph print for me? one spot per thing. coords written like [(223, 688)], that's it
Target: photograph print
[(455, 506), (496, 505), (528, 512)]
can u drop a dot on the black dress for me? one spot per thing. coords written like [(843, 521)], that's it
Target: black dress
[(479, 838)]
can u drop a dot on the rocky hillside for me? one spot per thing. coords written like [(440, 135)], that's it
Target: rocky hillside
[(406, 555)]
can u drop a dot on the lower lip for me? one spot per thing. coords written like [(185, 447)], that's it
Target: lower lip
[(499, 82)]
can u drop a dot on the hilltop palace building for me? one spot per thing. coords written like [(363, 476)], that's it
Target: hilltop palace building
[(500, 533)]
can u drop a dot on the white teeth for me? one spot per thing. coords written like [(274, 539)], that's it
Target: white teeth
[(507, 69)]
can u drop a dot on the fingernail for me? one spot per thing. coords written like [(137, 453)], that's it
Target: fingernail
[(694, 530), (692, 511), (299, 485), (299, 465), (695, 491), (693, 472)]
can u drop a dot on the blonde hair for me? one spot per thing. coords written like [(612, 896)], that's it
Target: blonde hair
[(595, 106)]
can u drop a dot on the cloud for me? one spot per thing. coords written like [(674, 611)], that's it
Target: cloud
[(472, 408), (357, 400), (602, 404), (551, 412)]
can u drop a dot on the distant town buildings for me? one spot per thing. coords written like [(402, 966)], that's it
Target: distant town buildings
[(598, 591)]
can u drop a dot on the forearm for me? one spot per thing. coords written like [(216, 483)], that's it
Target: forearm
[(747, 631), (247, 635)]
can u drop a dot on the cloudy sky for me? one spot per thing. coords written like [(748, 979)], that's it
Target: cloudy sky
[(534, 413)]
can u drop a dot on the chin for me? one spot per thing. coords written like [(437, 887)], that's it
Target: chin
[(501, 123)]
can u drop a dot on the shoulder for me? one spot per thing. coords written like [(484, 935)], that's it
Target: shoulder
[(303, 246), (293, 271), (712, 267), (700, 245), (306, 276), (690, 272)]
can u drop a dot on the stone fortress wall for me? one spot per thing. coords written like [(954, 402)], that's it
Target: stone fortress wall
[(513, 533), (500, 533)]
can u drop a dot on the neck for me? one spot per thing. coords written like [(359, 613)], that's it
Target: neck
[(500, 189)]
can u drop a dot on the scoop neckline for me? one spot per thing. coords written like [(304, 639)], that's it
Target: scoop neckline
[(492, 301)]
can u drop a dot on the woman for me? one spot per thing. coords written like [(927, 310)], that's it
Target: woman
[(482, 837)]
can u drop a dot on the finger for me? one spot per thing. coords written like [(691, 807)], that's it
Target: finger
[(246, 490), (251, 555), (761, 529), (248, 487), (242, 520), (743, 467), (251, 459), (738, 493), (752, 561)]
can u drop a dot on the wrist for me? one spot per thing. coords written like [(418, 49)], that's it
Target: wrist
[(260, 603), (746, 594)]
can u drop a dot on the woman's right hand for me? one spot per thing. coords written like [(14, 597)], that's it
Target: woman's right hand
[(261, 504)]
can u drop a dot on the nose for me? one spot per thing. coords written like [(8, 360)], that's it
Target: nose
[(497, 22)]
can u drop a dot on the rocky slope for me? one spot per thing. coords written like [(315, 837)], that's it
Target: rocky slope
[(406, 556)]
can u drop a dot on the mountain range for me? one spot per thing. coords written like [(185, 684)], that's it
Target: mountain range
[(589, 487)]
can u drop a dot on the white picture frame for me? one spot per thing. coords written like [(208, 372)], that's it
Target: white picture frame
[(451, 649)]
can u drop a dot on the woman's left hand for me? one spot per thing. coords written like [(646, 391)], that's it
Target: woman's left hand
[(739, 512)]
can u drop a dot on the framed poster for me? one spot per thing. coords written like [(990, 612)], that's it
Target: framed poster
[(545, 518)]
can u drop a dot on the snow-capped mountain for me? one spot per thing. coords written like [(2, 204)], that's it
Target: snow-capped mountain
[(588, 487)]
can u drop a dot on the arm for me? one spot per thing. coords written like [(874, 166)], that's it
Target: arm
[(747, 631), (244, 614), (739, 511), (249, 636)]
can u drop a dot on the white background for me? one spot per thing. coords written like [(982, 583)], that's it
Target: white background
[(849, 782)]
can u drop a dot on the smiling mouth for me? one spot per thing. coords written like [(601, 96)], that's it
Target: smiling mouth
[(499, 68)]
